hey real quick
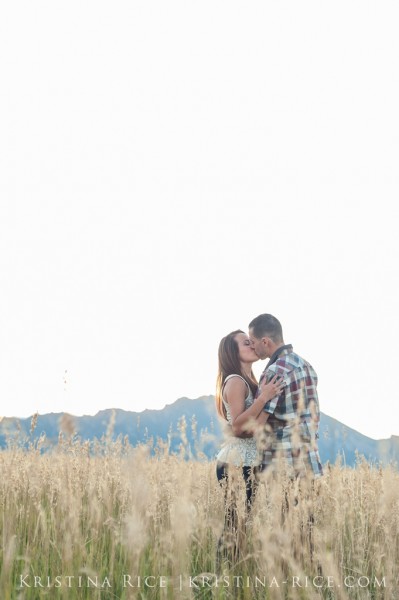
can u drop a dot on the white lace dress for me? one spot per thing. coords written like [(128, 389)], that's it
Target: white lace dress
[(241, 452)]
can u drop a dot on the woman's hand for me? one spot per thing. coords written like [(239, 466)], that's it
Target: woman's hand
[(271, 389)]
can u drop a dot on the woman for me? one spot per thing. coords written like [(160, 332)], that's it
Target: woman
[(235, 402), (235, 391)]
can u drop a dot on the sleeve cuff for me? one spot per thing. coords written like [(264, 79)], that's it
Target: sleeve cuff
[(270, 407)]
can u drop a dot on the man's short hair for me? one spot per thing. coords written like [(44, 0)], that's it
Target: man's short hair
[(267, 326)]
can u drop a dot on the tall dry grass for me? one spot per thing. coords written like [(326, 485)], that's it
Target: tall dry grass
[(82, 519)]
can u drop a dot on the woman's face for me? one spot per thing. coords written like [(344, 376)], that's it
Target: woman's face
[(245, 352)]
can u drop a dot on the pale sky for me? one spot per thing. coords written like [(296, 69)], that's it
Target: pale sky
[(169, 170)]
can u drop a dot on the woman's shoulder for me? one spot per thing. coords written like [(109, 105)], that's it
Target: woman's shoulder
[(235, 379), (235, 382)]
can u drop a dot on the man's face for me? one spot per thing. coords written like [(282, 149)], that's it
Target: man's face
[(259, 345)]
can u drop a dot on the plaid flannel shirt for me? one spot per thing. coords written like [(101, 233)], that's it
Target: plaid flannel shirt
[(291, 430)]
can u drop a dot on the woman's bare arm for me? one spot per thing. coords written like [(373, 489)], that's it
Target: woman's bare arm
[(235, 393)]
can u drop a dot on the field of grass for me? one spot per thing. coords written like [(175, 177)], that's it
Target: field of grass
[(112, 521)]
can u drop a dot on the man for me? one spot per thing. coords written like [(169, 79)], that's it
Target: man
[(293, 415)]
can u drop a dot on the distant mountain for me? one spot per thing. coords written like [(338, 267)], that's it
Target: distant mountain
[(191, 425)]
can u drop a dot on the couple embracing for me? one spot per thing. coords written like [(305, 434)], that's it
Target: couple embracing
[(273, 424)]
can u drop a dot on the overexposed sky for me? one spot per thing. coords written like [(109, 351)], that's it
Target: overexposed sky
[(169, 170)]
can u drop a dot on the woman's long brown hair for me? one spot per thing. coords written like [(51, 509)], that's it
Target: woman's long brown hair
[(229, 364)]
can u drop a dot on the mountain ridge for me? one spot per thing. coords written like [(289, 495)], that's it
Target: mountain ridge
[(204, 434)]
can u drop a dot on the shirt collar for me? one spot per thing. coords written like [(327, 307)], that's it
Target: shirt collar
[(277, 353)]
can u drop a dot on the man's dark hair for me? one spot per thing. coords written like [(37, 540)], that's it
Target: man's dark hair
[(267, 326)]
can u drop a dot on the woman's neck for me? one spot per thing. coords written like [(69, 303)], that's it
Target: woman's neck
[(246, 368)]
